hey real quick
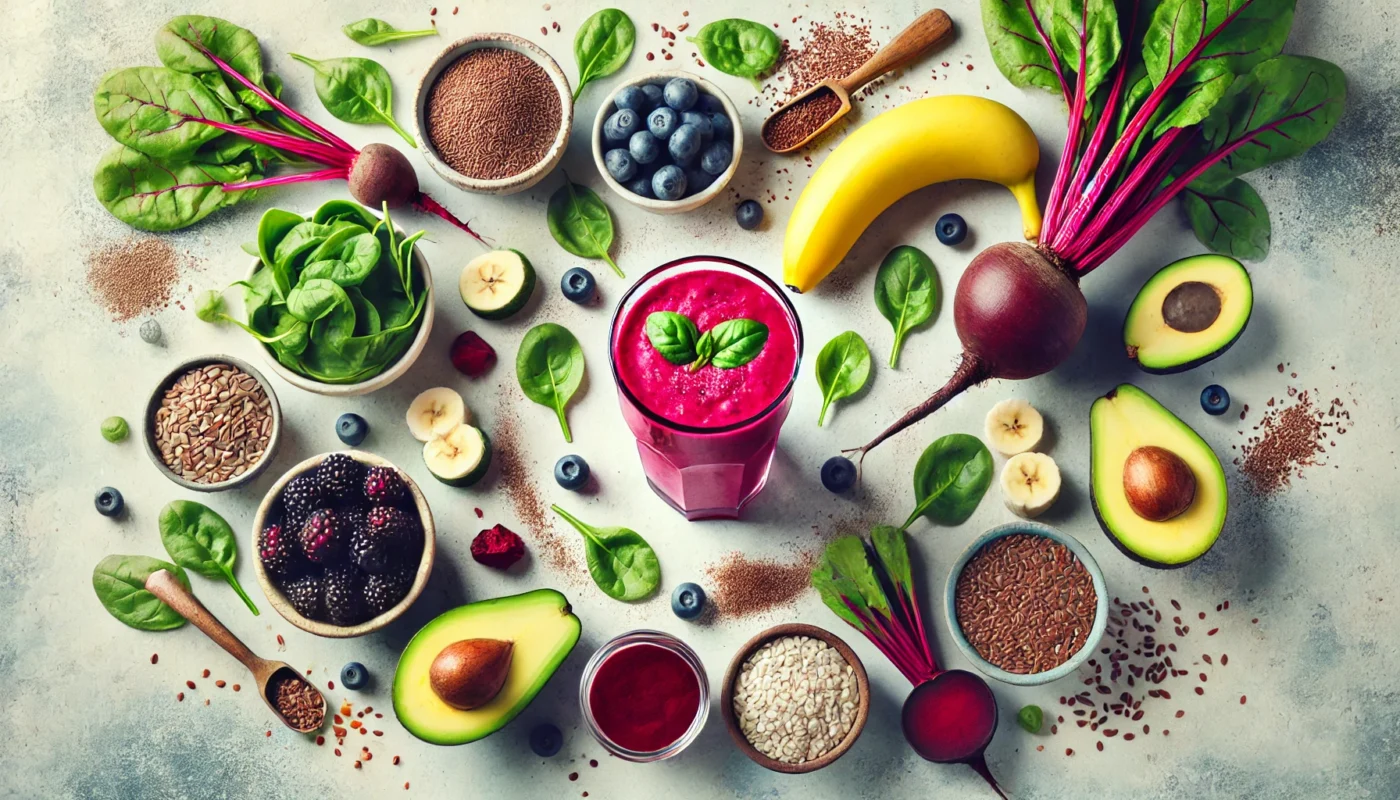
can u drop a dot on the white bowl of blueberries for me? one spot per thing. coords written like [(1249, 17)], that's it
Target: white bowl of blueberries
[(667, 141)]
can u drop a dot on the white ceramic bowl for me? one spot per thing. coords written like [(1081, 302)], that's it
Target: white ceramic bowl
[(685, 203), (514, 183)]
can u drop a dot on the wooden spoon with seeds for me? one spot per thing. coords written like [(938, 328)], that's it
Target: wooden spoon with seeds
[(929, 29), (267, 674)]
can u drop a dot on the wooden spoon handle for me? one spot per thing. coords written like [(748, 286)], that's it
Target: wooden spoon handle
[(163, 585), (924, 32)]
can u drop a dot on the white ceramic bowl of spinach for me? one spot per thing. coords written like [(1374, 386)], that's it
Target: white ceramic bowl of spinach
[(400, 356)]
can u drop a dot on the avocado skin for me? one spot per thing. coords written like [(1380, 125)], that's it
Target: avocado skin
[(1189, 365)]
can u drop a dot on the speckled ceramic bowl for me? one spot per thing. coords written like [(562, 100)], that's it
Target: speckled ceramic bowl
[(1100, 612)]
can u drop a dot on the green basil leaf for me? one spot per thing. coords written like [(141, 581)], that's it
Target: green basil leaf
[(356, 90), (1013, 30), (737, 342), (673, 336), (843, 367), (549, 367), (1231, 220), (580, 223), (201, 541), (620, 561), (155, 110), (120, 584), (704, 350), (738, 47), (950, 479), (372, 32), (152, 194), (905, 292), (602, 45)]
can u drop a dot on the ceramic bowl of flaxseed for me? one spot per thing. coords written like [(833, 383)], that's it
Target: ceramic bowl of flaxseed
[(212, 423), (795, 698)]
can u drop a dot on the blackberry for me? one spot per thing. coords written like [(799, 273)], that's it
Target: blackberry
[(324, 536), (280, 551), (383, 592), (301, 496), (344, 595), (304, 594), (384, 487), (338, 476), (374, 548), (398, 528)]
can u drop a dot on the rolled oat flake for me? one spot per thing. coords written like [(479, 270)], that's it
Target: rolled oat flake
[(796, 699)]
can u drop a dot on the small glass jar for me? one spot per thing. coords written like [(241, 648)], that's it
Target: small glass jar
[(667, 642)]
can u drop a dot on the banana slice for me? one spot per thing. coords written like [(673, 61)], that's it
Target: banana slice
[(1031, 483), (497, 284), (460, 457), (435, 412), (1013, 426)]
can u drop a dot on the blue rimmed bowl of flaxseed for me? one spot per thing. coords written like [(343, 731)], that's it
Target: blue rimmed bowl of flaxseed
[(1026, 603)]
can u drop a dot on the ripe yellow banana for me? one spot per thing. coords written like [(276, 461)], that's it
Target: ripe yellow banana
[(906, 148)]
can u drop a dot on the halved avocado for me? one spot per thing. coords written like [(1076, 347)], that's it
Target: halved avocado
[(541, 626), (1188, 313), (1120, 423)]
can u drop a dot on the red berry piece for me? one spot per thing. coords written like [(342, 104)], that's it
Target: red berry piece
[(471, 355), (498, 547)]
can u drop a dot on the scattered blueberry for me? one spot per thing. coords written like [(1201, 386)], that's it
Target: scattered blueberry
[(351, 428), (688, 601), (578, 285), (644, 147), (724, 128), (621, 125), (653, 93), (546, 740), (150, 332), (663, 122), (633, 98), (620, 164), (354, 676), (702, 123), (640, 186), (749, 214), (715, 160), (108, 501), (951, 229), (838, 474), (668, 183), (684, 144), (680, 93), (571, 472), (1215, 400)]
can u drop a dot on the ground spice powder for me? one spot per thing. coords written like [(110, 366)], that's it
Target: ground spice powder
[(493, 113), (133, 276), (744, 586), (536, 519)]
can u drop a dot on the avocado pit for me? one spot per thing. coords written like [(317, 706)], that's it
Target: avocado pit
[(1158, 483), (1191, 307), (469, 673)]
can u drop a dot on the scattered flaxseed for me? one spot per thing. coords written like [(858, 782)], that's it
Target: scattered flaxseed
[(155, 657), (236, 687), (396, 761), (206, 673), (180, 697), (134, 276), (1242, 699), (189, 684), (745, 586)]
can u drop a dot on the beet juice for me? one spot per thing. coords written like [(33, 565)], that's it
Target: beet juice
[(644, 696)]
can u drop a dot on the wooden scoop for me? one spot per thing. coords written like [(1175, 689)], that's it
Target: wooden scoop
[(265, 673), (927, 30)]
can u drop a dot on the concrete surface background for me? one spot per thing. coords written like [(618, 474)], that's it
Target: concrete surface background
[(86, 715)]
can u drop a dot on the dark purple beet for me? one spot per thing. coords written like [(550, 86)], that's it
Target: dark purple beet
[(381, 174), (951, 719)]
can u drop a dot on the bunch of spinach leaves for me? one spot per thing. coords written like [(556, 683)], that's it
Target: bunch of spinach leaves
[(337, 297)]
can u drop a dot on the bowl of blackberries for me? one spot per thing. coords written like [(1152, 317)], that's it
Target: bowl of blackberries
[(667, 141), (344, 544)]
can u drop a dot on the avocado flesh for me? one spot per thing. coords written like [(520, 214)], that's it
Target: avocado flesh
[(1173, 323), (540, 625), (1119, 423)]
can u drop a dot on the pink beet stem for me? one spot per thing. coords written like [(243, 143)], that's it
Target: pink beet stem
[(1050, 50), (1076, 125), (879, 637), (1148, 166), (315, 151), (300, 177), (425, 203)]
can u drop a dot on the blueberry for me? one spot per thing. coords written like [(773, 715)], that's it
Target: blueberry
[(749, 214), (578, 285), (697, 180), (715, 160), (680, 93), (633, 98), (644, 147), (620, 164), (710, 104), (1215, 400), (150, 332), (668, 183), (684, 144), (653, 93), (688, 601), (724, 127), (640, 186), (951, 229), (351, 428), (571, 472), (621, 125), (663, 122), (354, 676), (108, 501), (702, 123), (838, 474), (546, 740)]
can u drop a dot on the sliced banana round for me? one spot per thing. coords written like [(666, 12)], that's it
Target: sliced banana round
[(435, 412), (497, 284), (1030, 483), (1013, 426), (459, 457)]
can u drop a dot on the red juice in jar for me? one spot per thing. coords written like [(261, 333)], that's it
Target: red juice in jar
[(644, 695)]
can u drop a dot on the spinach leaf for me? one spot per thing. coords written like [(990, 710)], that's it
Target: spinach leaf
[(179, 43), (153, 110), (356, 90), (580, 223), (311, 300), (905, 292), (344, 211), (272, 230), (1231, 220), (621, 562), (738, 47), (199, 540), (549, 367), (120, 584), (349, 264), (737, 342), (602, 45), (1014, 29), (155, 195), (673, 335), (843, 367), (950, 479), (372, 32)]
